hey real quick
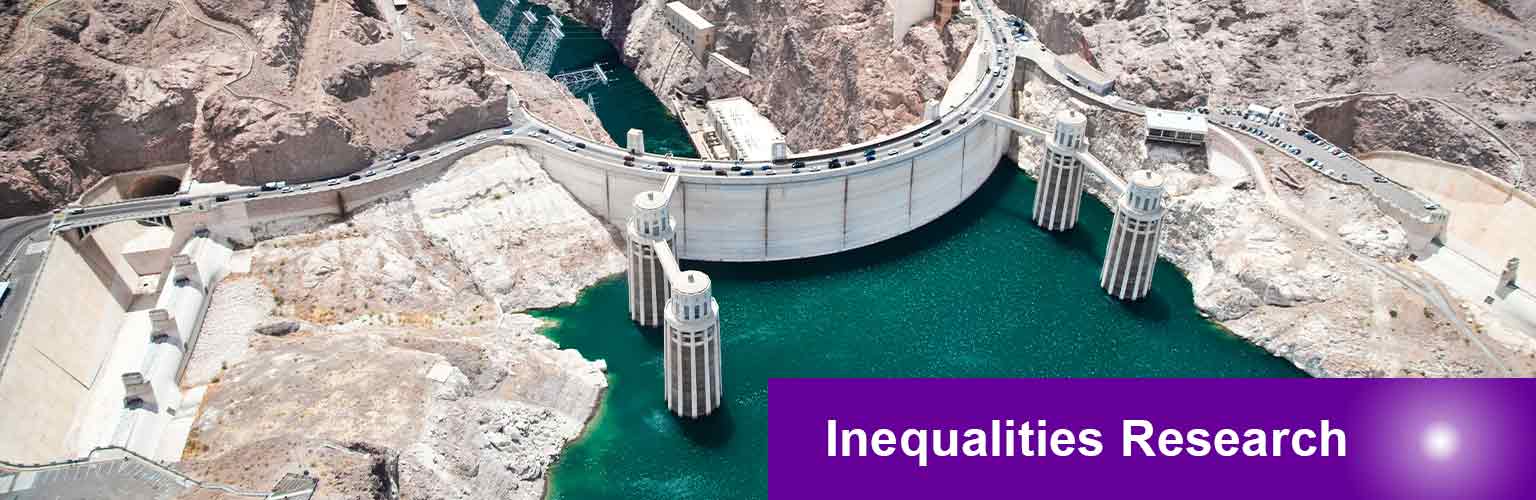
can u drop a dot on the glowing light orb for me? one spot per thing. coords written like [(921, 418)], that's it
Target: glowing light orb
[(1439, 441)]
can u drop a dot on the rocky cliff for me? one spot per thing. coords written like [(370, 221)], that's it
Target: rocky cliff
[(1477, 56), (246, 91), (826, 72), (1314, 273), (389, 353)]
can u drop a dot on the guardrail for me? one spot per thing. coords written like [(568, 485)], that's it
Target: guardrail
[(110, 453)]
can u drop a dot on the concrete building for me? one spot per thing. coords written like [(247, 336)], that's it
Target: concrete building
[(695, 31), (1265, 115), (1078, 71), (907, 13), (648, 289), (944, 11), (1176, 127), (1059, 194), (692, 345), (1131, 255), (746, 133)]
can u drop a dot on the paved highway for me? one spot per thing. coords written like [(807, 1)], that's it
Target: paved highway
[(887, 150), (1329, 160), (16, 234)]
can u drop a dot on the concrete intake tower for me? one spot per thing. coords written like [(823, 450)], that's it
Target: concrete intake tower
[(1059, 194), (1132, 253), (692, 344), (648, 290)]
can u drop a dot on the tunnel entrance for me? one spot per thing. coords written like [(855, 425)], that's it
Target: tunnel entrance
[(153, 185)]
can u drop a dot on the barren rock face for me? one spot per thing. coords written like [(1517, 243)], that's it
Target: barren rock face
[(386, 354), (1178, 54), (247, 91), (1375, 123), (826, 72)]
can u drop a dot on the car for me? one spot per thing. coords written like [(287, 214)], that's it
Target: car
[(287, 190), (629, 158), (746, 173), (1431, 206), (851, 162), (720, 172), (834, 163), (770, 172), (221, 198), (507, 131), (706, 168), (669, 168), (917, 144), (870, 152), (550, 140), (1379, 179), (795, 171), (543, 130), (334, 182), (415, 157), (571, 149), (663, 163), (797, 164), (252, 194), (581, 145), (647, 167), (370, 173), (389, 167), (185, 203), (354, 177), (76, 211), (398, 159), (735, 168), (963, 120), (815, 169), (629, 163), (766, 168), (402, 155), (893, 153), (945, 132), (460, 143), (273, 186)]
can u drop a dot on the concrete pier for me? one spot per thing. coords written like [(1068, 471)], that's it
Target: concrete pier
[(1132, 253), (692, 347), (648, 290), (1059, 194)]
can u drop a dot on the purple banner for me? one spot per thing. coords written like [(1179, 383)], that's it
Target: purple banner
[(1151, 438)]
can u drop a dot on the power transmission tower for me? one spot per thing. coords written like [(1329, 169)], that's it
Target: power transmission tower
[(519, 38), (581, 80), (543, 52), (505, 15)]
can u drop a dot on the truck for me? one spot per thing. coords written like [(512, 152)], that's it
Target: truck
[(274, 186)]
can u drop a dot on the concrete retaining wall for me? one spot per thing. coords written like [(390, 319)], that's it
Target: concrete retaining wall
[(729, 219)]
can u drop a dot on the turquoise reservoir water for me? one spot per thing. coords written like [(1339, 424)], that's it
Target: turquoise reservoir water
[(624, 103), (979, 292)]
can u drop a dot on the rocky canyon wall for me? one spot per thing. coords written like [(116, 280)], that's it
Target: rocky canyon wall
[(826, 72), (1179, 54), (246, 91)]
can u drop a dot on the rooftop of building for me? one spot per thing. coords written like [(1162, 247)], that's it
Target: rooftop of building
[(1162, 119), (682, 10), (750, 132)]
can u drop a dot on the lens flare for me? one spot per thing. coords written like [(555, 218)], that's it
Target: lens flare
[(1439, 441)]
